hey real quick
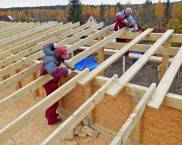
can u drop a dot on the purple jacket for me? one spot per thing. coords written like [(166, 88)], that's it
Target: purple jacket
[(51, 64)]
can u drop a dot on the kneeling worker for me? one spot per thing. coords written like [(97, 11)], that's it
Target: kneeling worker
[(51, 65)]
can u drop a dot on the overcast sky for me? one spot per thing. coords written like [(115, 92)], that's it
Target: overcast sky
[(23, 3)]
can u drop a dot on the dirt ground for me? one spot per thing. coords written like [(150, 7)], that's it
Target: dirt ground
[(146, 76)]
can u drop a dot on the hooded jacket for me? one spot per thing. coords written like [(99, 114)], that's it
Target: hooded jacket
[(120, 16), (51, 63)]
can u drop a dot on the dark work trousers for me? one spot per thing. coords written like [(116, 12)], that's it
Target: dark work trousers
[(50, 113)]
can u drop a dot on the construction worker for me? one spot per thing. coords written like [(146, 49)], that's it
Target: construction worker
[(51, 65), (125, 19)]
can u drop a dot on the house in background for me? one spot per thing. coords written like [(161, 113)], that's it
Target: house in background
[(7, 18), (89, 19)]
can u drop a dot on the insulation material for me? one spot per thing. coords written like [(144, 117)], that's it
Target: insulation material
[(112, 112), (162, 127), (74, 99)]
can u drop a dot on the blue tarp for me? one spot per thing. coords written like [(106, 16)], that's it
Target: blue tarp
[(135, 59), (88, 62)]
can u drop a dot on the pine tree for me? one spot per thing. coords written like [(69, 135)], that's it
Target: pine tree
[(167, 11), (74, 11), (102, 12), (119, 7), (147, 14)]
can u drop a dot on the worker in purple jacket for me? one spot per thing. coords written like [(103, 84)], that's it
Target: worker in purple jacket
[(51, 65)]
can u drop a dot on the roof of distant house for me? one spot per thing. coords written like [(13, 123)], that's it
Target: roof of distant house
[(4, 18), (87, 16)]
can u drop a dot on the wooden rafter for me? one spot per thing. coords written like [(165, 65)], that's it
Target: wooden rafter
[(130, 73), (133, 119), (166, 81), (79, 114), (113, 58)]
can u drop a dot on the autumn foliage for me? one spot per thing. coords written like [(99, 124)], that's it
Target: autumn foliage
[(160, 15)]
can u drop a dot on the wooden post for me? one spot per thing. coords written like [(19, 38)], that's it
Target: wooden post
[(135, 137), (19, 84), (38, 92), (100, 55), (165, 61), (88, 121)]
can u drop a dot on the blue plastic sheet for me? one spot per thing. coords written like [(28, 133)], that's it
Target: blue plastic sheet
[(88, 62), (135, 59)]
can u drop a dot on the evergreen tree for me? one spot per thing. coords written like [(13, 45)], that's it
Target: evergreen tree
[(102, 12), (167, 11), (74, 11), (119, 7), (147, 14)]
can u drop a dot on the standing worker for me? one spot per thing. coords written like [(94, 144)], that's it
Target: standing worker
[(51, 65), (125, 18)]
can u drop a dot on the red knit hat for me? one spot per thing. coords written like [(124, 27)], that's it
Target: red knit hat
[(62, 52)]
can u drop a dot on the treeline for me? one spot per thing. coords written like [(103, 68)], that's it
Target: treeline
[(160, 15)]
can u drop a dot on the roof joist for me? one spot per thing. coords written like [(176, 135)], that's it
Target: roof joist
[(17, 124), (166, 82), (130, 73), (113, 58)]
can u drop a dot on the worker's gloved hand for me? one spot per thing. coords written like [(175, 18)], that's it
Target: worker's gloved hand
[(125, 21), (69, 71), (131, 30), (66, 62)]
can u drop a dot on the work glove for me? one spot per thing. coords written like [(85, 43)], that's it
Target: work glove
[(131, 30), (66, 63), (125, 21), (69, 71)]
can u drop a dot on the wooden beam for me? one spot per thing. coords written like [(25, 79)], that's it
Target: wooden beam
[(89, 38), (132, 71), (166, 81), (137, 47), (5, 44), (27, 33), (19, 64), (53, 31), (37, 55), (24, 91), (165, 62), (175, 38), (38, 47), (83, 33), (13, 127), (78, 115), (113, 58), (155, 59), (14, 28), (14, 33), (19, 76), (5, 52), (133, 119), (95, 47), (171, 100)]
